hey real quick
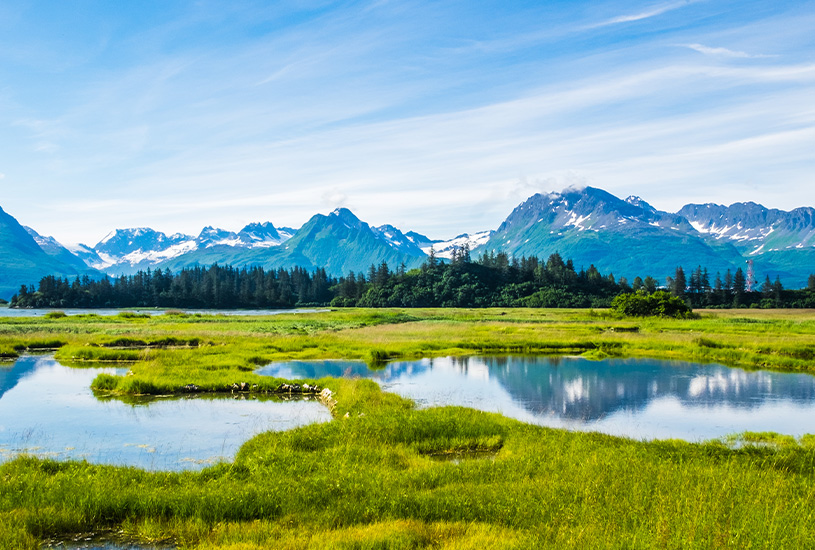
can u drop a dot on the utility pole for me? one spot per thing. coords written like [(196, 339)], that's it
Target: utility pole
[(751, 276)]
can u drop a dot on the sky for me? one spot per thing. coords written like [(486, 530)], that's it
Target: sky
[(434, 116)]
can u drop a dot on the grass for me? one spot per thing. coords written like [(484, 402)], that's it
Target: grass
[(371, 478)]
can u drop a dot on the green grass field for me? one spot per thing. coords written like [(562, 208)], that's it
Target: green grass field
[(384, 474)]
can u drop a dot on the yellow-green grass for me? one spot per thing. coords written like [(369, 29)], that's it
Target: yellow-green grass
[(371, 477), (781, 339), (368, 479)]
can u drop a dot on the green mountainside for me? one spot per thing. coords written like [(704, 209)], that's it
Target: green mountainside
[(23, 261), (629, 238), (339, 243)]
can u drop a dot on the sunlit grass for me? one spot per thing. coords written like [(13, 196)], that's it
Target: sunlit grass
[(372, 477)]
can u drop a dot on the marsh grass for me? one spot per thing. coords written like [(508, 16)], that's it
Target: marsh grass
[(370, 477)]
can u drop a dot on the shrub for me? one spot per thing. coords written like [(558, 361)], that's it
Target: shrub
[(56, 314), (132, 315), (658, 304)]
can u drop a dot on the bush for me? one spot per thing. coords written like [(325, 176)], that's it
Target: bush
[(56, 314), (658, 304), (132, 315)]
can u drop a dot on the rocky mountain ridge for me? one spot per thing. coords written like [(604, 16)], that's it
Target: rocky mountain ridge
[(626, 237)]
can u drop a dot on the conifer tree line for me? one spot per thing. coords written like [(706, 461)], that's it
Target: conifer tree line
[(730, 290), (492, 280)]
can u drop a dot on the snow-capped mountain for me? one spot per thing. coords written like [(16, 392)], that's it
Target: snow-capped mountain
[(587, 225), (397, 240), (339, 243), (50, 246), (444, 249), (752, 228), (130, 250), (593, 227)]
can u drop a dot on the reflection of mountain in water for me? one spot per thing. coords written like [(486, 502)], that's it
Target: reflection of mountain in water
[(573, 387), (576, 388), (11, 375)]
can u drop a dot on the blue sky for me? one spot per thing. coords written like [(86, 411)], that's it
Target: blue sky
[(438, 117)]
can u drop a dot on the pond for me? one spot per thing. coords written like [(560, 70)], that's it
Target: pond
[(639, 398), (48, 410)]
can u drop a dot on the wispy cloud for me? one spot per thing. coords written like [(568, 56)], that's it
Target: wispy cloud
[(646, 14), (725, 52), (436, 118)]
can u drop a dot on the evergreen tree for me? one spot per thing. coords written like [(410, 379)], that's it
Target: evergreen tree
[(739, 287), (678, 284)]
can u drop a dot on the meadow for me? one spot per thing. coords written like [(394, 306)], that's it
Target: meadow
[(385, 474)]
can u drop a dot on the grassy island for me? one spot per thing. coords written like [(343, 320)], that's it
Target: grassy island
[(384, 474)]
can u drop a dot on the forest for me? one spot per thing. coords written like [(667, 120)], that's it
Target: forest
[(491, 280)]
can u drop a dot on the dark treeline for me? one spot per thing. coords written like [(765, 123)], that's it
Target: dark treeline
[(219, 287), (729, 290), (491, 280)]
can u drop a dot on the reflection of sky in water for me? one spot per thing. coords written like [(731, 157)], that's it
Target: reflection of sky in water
[(48, 410), (639, 398)]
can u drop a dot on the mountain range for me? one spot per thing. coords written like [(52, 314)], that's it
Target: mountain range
[(626, 237)]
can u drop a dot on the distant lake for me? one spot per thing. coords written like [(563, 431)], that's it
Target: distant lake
[(639, 398), (9, 312), (48, 410)]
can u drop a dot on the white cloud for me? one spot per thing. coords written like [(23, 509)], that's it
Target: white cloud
[(437, 132), (724, 52), (647, 14)]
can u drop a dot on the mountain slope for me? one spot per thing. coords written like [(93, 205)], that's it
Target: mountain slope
[(23, 262), (130, 250), (444, 249), (339, 242), (50, 246), (624, 237), (752, 228)]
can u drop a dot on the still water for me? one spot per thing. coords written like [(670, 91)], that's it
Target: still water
[(48, 410), (639, 398)]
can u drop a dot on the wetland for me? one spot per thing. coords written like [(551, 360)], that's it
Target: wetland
[(371, 476)]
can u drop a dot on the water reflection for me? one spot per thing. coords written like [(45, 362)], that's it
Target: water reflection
[(634, 397), (48, 410)]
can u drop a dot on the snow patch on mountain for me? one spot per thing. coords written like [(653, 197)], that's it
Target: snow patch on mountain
[(444, 249)]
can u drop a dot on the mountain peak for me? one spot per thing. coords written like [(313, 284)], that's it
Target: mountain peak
[(638, 202), (346, 216)]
